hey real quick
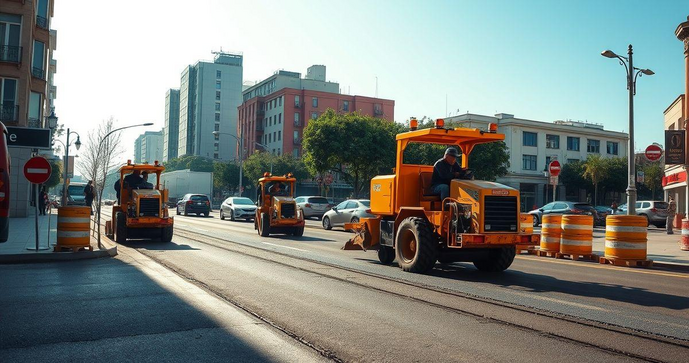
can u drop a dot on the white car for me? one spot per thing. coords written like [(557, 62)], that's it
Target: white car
[(238, 208), (313, 206)]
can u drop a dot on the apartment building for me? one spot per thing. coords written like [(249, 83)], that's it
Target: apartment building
[(209, 95), (275, 111), (171, 129), (534, 144), (26, 73), (148, 147)]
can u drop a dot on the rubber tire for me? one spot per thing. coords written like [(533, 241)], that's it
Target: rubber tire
[(648, 220), (500, 259), (386, 255), (536, 220), (185, 212), (166, 234), (326, 224), (206, 214), (222, 215), (264, 225), (177, 209), (121, 228), (426, 246), (232, 215), (298, 231)]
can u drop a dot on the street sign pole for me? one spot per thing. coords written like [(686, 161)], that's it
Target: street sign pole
[(36, 215), (37, 170)]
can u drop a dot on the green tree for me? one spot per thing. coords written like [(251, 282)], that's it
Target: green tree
[(260, 162), (595, 169), (191, 162), (225, 176), (614, 179), (572, 176), (55, 174), (653, 177), (356, 146)]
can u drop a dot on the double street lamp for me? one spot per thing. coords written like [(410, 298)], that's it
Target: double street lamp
[(632, 74)]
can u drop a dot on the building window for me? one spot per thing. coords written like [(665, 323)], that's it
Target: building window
[(269, 139), (280, 101), (217, 116), (296, 101), (295, 153), (529, 162), (216, 156), (552, 141), (613, 148), (314, 115), (279, 135), (314, 102), (273, 151), (296, 135), (345, 106), (296, 118), (217, 106), (530, 139), (572, 143), (279, 151), (217, 95), (218, 74), (10, 29), (279, 118), (216, 137), (38, 60), (216, 147), (218, 84), (35, 109), (217, 127), (572, 161), (593, 146)]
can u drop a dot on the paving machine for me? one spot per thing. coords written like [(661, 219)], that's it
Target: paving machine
[(277, 210)]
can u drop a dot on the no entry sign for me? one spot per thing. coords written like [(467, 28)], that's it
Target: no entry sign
[(37, 170), (653, 152), (554, 167)]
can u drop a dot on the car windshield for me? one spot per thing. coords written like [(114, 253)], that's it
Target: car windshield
[(318, 200), (366, 203), (199, 198), (242, 201), (76, 190)]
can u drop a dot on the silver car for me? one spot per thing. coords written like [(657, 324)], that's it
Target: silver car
[(238, 208), (654, 211), (313, 206), (349, 211)]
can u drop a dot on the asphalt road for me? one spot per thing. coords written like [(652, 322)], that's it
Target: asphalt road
[(349, 307)]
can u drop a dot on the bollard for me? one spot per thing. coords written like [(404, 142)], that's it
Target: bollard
[(626, 241), (577, 237), (551, 231), (73, 226), (684, 241)]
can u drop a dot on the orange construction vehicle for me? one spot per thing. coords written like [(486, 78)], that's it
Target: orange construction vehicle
[(141, 209), (277, 210), (478, 222)]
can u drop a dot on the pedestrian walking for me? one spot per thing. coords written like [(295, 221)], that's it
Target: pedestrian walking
[(42, 198), (89, 195), (671, 211), (613, 206)]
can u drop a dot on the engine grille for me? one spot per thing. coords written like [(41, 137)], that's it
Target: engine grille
[(287, 210), (500, 214), (149, 207)]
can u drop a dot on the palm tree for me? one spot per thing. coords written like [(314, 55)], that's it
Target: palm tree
[(594, 169)]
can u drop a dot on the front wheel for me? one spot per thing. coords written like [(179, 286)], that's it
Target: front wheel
[(499, 259), (166, 234), (386, 255), (264, 225), (121, 229), (298, 231), (326, 224), (417, 246)]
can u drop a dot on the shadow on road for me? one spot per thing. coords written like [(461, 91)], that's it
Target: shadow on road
[(158, 246)]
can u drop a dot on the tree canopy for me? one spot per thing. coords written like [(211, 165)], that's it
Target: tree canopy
[(191, 162), (260, 162)]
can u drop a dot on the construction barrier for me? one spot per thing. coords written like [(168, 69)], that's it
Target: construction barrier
[(626, 237), (73, 226), (526, 223), (551, 232), (684, 241), (577, 235)]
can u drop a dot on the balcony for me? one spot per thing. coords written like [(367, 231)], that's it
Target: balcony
[(10, 54), (297, 123), (41, 22), (35, 123), (9, 113), (297, 105), (38, 72)]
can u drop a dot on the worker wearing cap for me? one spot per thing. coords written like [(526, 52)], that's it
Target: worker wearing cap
[(444, 170)]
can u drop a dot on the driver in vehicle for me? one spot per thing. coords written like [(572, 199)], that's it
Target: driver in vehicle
[(277, 189), (446, 169)]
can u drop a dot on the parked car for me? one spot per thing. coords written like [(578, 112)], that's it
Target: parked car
[(238, 207), (349, 211), (194, 203), (565, 207), (655, 211), (313, 206)]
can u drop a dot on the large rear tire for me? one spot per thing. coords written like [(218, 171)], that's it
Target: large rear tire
[(417, 246), (121, 228), (386, 255), (298, 231), (499, 259), (166, 234), (264, 225)]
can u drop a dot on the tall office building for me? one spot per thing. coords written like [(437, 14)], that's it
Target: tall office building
[(26, 70), (171, 129), (148, 147), (209, 96)]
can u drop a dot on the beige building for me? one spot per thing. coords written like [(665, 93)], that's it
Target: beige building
[(26, 73), (675, 180)]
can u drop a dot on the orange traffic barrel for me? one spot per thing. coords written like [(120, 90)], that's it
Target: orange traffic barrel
[(73, 226), (626, 237), (551, 231), (526, 223), (684, 241), (577, 234)]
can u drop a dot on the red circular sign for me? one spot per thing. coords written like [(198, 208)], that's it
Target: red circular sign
[(37, 170), (554, 167), (653, 152)]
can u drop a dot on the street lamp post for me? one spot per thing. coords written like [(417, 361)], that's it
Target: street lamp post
[(64, 180), (240, 141), (632, 74)]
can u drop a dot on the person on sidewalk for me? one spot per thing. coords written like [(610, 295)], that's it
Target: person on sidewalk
[(42, 197), (671, 211), (613, 206), (89, 195)]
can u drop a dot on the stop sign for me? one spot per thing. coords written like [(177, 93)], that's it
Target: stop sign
[(37, 170), (653, 152), (554, 167)]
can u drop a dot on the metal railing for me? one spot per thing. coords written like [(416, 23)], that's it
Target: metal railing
[(9, 113), (41, 22), (34, 123), (38, 72), (297, 105), (10, 54)]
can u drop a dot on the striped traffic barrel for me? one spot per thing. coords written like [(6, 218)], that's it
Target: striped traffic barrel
[(684, 241), (526, 223), (625, 237), (73, 226), (577, 234), (551, 231)]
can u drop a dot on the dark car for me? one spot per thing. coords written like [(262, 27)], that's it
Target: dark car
[(194, 203), (565, 207)]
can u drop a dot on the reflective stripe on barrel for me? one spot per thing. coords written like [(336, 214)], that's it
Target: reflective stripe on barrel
[(73, 226), (626, 237), (526, 223), (577, 234), (551, 232), (684, 240)]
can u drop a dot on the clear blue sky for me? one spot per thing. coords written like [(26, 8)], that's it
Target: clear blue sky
[(535, 59)]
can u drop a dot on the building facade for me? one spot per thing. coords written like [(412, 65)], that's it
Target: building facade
[(171, 129), (675, 179), (534, 144), (148, 147), (209, 95), (275, 111), (26, 72)]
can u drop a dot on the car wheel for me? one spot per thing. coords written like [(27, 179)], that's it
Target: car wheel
[(232, 215), (178, 210), (185, 212), (326, 224), (207, 214), (222, 215), (648, 220)]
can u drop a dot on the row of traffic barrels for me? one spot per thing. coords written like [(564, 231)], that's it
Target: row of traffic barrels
[(625, 236)]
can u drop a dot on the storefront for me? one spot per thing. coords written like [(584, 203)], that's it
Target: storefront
[(675, 185)]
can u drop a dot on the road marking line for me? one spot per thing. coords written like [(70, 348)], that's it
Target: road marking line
[(292, 248), (564, 302)]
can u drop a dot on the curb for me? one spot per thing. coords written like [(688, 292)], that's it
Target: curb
[(671, 266), (57, 256)]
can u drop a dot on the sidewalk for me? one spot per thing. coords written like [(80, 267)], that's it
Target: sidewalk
[(21, 244)]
